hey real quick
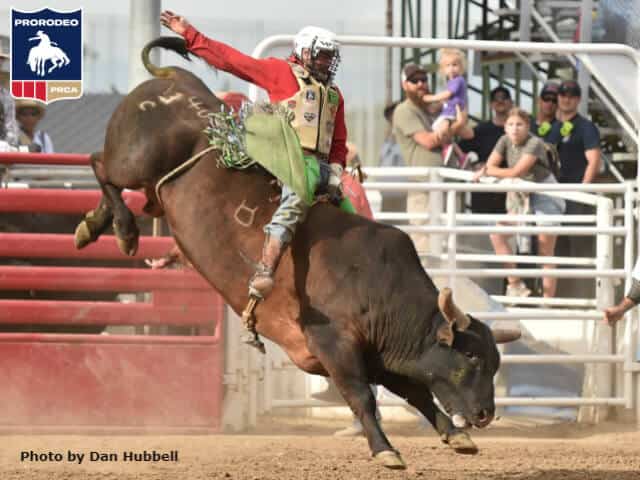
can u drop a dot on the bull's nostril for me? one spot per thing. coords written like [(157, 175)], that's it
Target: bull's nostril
[(483, 415)]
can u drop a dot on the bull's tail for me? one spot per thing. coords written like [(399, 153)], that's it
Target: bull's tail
[(176, 44)]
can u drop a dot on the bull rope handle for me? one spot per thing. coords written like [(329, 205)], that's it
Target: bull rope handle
[(179, 169)]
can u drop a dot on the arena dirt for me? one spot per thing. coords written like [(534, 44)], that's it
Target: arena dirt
[(301, 449)]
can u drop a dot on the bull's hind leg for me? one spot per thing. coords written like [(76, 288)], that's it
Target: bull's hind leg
[(343, 360), (418, 397), (95, 222), (124, 222)]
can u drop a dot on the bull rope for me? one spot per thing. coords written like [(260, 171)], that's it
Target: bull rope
[(180, 169)]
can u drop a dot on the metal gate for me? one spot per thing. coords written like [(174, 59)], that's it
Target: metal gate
[(102, 380)]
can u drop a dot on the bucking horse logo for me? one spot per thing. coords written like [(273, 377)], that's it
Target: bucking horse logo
[(46, 51)]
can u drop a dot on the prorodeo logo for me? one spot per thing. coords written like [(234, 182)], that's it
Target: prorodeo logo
[(46, 54)]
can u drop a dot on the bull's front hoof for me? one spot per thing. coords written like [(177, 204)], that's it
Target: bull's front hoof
[(83, 235), (390, 459), (461, 443)]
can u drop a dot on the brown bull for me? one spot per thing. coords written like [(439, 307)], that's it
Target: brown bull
[(351, 301)]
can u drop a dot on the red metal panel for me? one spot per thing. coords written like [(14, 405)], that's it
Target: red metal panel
[(49, 245), (43, 158), (66, 201), (58, 312), (98, 279), (85, 380), (41, 91), (27, 89), (16, 88), (108, 381)]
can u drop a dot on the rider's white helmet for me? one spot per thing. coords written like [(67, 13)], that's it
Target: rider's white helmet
[(317, 40)]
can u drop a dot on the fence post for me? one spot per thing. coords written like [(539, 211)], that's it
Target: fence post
[(452, 238), (435, 209), (600, 378), (236, 399)]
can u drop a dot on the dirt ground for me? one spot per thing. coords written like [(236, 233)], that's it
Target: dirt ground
[(303, 449)]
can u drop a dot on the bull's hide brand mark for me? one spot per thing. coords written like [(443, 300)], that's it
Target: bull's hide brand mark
[(150, 104), (244, 211), (196, 104)]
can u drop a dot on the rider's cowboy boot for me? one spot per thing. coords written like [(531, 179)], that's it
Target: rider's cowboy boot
[(261, 283)]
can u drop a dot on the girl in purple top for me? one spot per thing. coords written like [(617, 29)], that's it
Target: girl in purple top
[(455, 96)]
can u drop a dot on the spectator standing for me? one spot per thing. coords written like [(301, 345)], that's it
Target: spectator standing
[(29, 113), (578, 142), (8, 125), (420, 146), (526, 158), (481, 139), (545, 118), (577, 138)]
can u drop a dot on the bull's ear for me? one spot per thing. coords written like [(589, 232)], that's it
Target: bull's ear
[(502, 335), (450, 310)]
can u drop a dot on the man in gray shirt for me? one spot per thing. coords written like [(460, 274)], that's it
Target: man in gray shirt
[(420, 145)]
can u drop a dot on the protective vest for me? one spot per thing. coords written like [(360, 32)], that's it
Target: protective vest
[(314, 106)]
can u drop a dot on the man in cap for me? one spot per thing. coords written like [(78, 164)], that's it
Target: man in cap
[(545, 117), (577, 138), (578, 142), (481, 139), (420, 146)]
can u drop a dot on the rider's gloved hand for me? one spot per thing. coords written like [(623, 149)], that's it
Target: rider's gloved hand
[(335, 184)]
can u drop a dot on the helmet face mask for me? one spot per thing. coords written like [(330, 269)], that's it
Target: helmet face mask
[(323, 52)]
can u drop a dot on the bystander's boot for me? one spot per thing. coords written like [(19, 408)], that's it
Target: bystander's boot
[(261, 283)]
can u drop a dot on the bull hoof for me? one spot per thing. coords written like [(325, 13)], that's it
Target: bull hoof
[(83, 235), (461, 443), (128, 247), (390, 459)]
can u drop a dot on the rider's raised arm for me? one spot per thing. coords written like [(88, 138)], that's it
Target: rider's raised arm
[(272, 74), (338, 153)]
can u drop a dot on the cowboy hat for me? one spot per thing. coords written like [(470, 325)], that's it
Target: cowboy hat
[(30, 103)]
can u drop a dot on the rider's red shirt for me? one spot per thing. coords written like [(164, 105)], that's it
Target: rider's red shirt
[(272, 74)]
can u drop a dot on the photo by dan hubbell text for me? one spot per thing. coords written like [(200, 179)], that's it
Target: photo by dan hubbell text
[(30, 456)]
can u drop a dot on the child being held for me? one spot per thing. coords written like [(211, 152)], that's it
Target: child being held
[(452, 66)]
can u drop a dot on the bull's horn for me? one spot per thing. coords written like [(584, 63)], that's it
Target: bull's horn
[(451, 311), (502, 335)]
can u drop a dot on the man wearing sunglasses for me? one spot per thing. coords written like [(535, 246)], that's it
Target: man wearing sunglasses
[(578, 142), (420, 146), (545, 117), (577, 138)]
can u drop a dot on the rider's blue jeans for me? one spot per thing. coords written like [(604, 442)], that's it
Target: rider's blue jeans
[(291, 211)]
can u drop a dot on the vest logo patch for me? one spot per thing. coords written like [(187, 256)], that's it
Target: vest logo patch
[(334, 98), (310, 95), (309, 116)]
